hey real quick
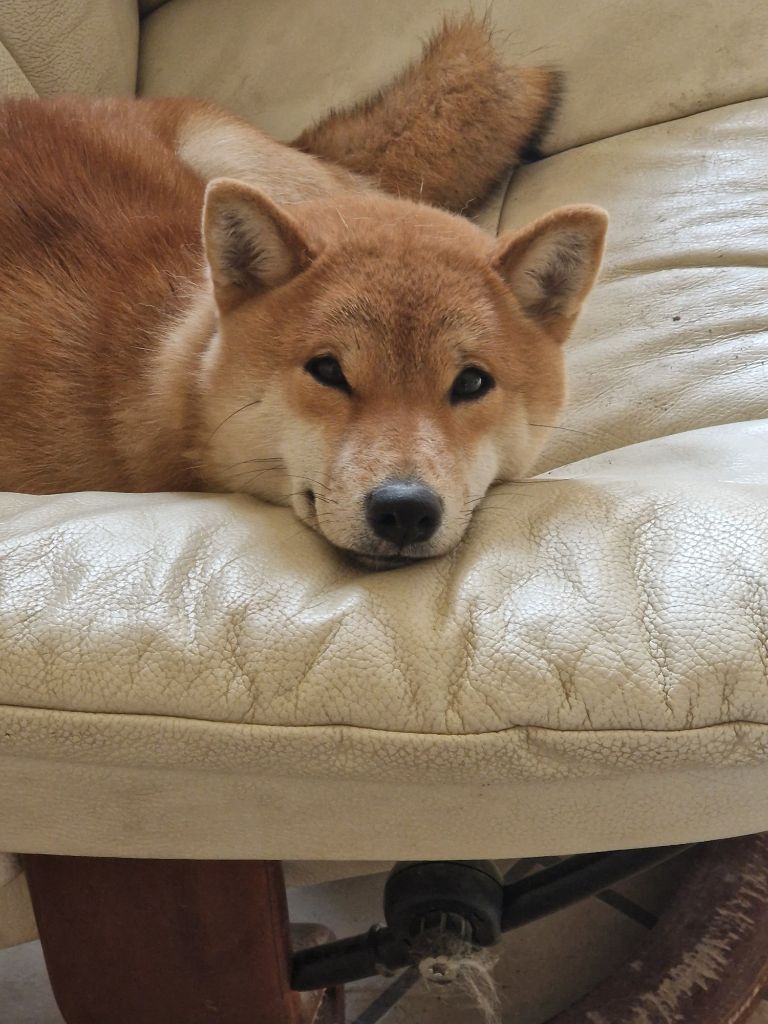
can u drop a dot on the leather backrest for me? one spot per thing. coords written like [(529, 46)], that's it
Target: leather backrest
[(72, 46), (627, 63)]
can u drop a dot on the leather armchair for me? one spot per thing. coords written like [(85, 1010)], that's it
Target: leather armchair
[(196, 677)]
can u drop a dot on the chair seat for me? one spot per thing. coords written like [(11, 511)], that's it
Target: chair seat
[(199, 675)]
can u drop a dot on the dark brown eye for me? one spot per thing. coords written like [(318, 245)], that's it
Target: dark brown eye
[(327, 370), (471, 383)]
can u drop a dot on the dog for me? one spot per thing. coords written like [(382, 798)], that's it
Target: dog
[(330, 339)]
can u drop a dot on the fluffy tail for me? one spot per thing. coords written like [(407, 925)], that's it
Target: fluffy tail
[(449, 127)]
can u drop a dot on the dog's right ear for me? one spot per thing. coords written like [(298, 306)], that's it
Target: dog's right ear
[(250, 243)]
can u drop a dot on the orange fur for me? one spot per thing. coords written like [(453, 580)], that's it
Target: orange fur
[(99, 252), (449, 127), (137, 355)]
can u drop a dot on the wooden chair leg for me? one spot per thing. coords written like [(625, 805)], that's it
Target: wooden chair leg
[(168, 942), (706, 961)]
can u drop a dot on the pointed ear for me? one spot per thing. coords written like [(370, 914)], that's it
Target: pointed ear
[(250, 243), (551, 265)]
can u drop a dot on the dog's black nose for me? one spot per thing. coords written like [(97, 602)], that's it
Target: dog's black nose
[(403, 512)]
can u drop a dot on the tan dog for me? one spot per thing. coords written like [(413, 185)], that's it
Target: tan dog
[(372, 361)]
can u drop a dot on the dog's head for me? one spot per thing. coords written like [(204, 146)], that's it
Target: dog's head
[(378, 364)]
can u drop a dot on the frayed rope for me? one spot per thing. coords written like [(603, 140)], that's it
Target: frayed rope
[(446, 961)]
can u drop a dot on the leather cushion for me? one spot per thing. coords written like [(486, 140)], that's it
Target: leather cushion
[(589, 628), (77, 46), (674, 336)]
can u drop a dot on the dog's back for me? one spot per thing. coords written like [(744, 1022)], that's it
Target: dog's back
[(100, 228)]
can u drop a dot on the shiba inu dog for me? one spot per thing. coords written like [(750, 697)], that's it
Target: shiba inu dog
[(330, 339)]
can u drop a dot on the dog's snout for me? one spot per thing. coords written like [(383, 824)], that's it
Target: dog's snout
[(403, 512)]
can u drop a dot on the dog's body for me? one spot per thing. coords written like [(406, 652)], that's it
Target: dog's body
[(320, 345)]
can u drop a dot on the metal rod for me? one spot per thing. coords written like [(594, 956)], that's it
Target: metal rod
[(378, 951), (375, 952), (572, 880)]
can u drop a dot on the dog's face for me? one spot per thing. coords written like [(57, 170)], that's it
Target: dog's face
[(378, 364)]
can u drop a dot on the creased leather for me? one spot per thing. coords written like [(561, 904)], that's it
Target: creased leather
[(13, 81), (578, 607), (675, 335), (75, 46)]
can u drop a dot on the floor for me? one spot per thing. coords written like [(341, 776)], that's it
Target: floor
[(542, 967)]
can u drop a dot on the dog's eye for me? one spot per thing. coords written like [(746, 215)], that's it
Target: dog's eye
[(470, 384), (326, 370)]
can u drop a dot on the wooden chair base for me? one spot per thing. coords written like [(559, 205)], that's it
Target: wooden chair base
[(208, 942), (171, 942), (706, 961)]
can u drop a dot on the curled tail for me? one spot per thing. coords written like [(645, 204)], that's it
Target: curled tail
[(449, 127)]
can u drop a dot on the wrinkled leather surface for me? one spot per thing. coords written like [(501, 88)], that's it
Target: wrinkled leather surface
[(80, 46), (675, 335), (13, 81), (733, 453), (590, 629), (215, 609), (627, 64)]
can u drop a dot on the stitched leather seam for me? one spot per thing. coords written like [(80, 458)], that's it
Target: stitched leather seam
[(684, 731)]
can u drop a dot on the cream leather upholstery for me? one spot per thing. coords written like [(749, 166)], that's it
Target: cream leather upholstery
[(197, 676), (47, 47), (676, 336)]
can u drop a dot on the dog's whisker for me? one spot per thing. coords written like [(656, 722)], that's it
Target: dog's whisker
[(299, 494), (250, 474), (242, 462), (309, 480), (248, 405)]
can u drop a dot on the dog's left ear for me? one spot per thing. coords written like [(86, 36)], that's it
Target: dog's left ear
[(551, 265), (250, 243)]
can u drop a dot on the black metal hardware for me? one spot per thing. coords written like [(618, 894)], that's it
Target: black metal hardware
[(468, 899), (463, 896)]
